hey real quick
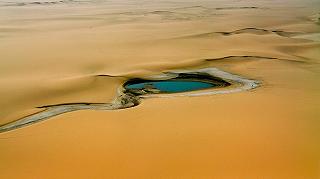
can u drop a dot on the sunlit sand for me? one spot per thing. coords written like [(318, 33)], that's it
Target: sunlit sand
[(65, 111)]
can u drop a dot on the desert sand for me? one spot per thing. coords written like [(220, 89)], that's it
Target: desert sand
[(55, 52)]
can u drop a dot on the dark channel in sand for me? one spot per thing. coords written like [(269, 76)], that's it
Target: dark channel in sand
[(127, 97)]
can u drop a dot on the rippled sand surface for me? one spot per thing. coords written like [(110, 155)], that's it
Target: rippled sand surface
[(81, 51)]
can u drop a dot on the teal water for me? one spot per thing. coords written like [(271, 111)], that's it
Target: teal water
[(171, 86)]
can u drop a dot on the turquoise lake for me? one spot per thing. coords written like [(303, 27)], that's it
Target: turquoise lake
[(171, 86)]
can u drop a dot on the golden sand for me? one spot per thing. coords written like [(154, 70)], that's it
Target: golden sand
[(53, 52)]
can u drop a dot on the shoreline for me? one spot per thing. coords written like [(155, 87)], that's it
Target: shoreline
[(127, 99)]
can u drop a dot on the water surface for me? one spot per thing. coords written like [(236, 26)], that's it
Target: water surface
[(171, 86)]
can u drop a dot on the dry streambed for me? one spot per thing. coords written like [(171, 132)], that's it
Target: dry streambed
[(206, 81)]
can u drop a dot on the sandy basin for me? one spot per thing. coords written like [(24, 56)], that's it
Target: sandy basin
[(55, 52)]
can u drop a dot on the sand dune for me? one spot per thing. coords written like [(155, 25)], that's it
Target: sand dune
[(76, 53)]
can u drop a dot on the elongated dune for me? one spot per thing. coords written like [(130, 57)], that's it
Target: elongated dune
[(67, 109)]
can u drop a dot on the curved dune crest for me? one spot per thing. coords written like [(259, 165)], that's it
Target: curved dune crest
[(248, 30)]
